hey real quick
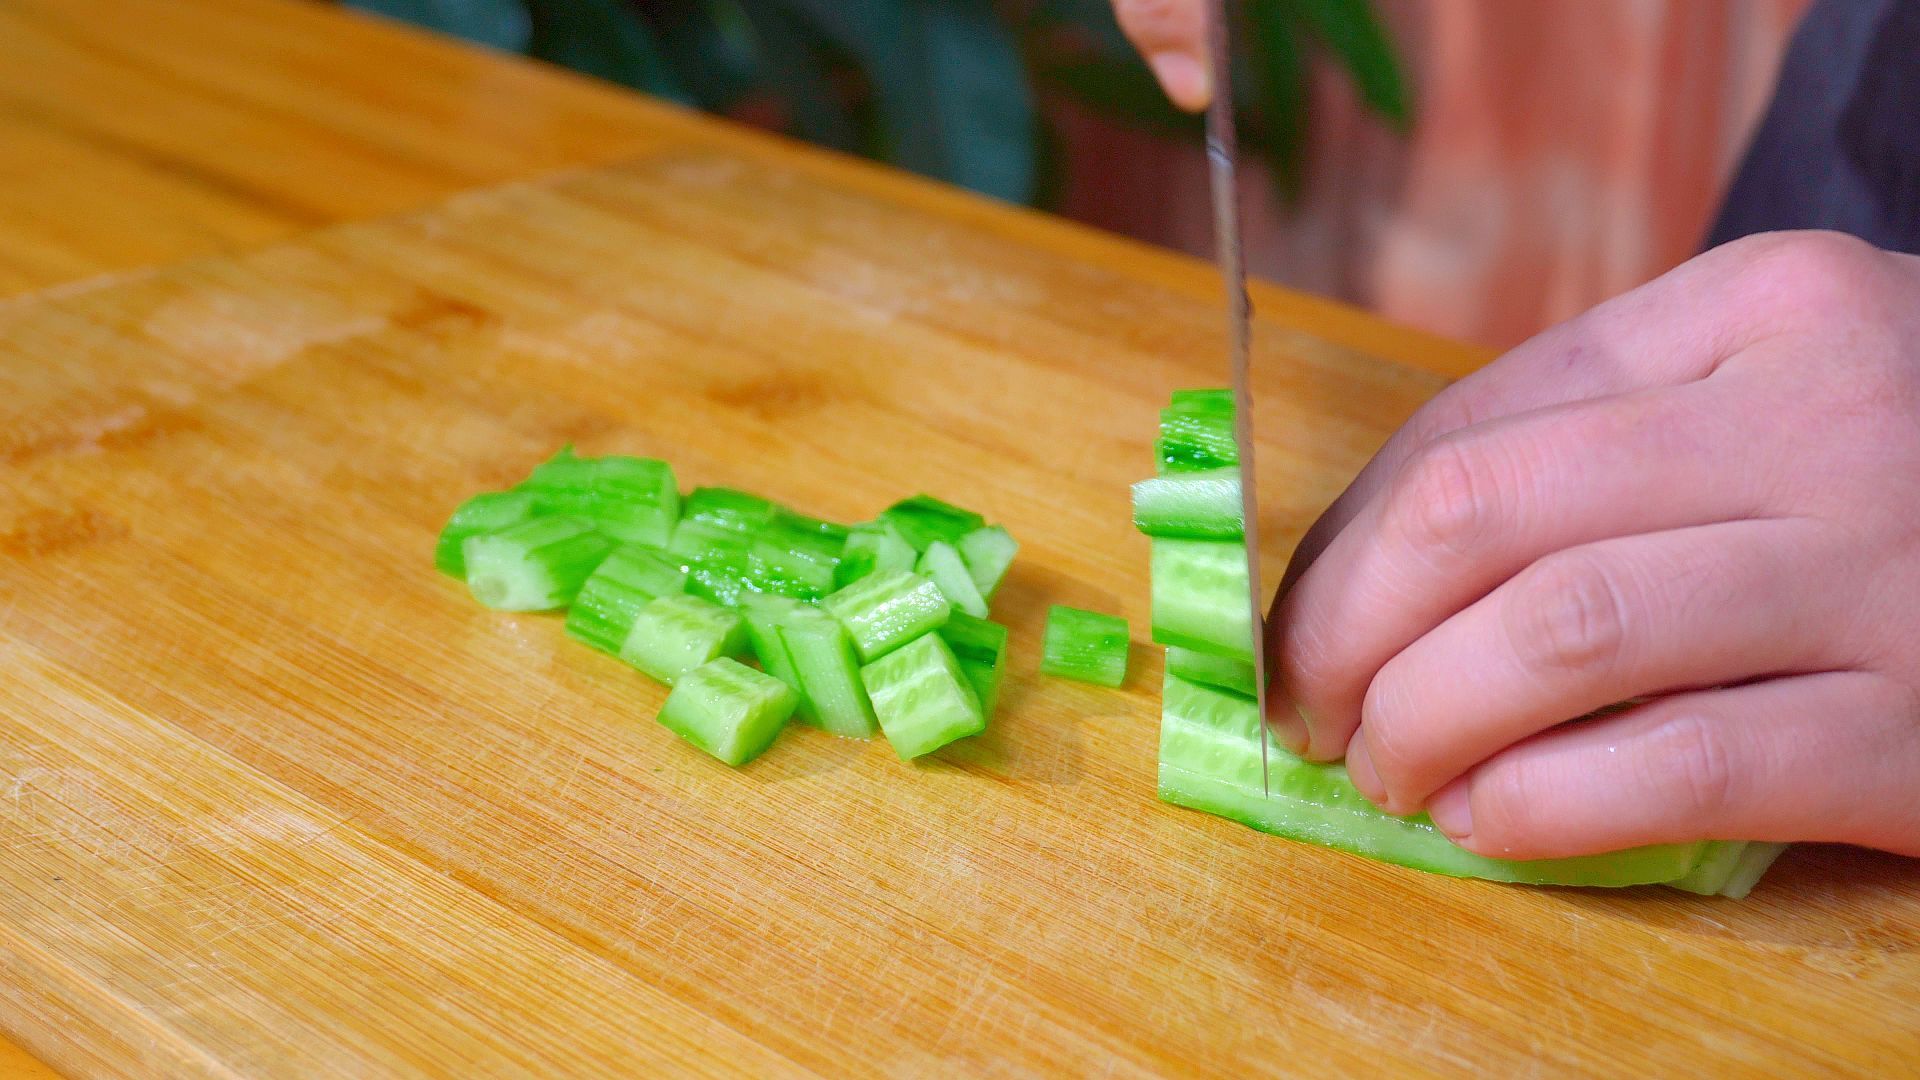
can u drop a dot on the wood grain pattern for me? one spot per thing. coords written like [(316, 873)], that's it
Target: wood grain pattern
[(280, 801)]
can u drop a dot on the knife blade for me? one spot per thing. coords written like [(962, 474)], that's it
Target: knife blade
[(1223, 152)]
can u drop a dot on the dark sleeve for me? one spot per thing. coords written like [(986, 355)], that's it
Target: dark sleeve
[(1839, 147)]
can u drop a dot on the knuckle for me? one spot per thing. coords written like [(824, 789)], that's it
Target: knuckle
[(1814, 272), (1565, 614), (1447, 499), (1693, 763)]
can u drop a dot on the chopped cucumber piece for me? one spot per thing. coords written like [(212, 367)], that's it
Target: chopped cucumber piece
[(629, 498), (1210, 760), (675, 634), (1754, 861), (602, 614), (1205, 401), (696, 540), (828, 668), (981, 648), (806, 559), (941, 563), (924, 519), (1194, 439), (1085, 645), (536, 565), (725, 508), (763, 614), (1209, 670), (489, 512), (874, 548), (885, 611), (1200, 597), (922, 698), (728, 709), (1199, 505), (988, 553), (832, 530)]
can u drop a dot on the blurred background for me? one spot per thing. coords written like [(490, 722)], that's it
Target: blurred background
[(1478, 168)]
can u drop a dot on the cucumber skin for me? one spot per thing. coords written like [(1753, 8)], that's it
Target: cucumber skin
[(959, 711)]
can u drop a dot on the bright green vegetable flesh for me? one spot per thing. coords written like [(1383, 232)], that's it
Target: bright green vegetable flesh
[(981, 648), (537, 565), (874, 548), (1207, 669), (728, 709), (1197, 434), (988, 554), (1085, 645), (1210, 760), (603, 613), (484, 513), (924, 519), (885, 611), (1200, 597), (675, 634), (1195, 505), (922, 698), (828, 667), (942, 565), (628, 498), (763, 615)]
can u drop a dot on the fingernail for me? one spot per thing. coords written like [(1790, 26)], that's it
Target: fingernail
[(1289, 726), (1360, 769), (1452, 812), (1183, 77)]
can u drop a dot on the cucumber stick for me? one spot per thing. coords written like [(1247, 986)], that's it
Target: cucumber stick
[(1200, 596), (728, 709), (1085, 645), (1201, 505), (675, 634), (1210, 760), (1220, 672), (922, 698), (537, 565), (828, 667)]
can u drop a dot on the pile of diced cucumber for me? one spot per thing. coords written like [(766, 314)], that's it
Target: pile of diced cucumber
[(1210, 729), (882, 624)]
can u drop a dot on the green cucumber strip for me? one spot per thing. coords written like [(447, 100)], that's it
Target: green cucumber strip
[(675, 634), (725, 508), (694, 540), (981, 648), (1210, 670), (1200, 599), (1200, 505), (1210, 760), (1754, 862), (537, 565), (485, 513), (941, 563), (602, 614), (875, 547), (728, 709), (1085, 645), (988, 553), (922, 698), (1193, 441), (562, 484), (631, 499), (763, 614), (924, 519), (1715, 867), (885, 611), (824, 659), (792, 557)]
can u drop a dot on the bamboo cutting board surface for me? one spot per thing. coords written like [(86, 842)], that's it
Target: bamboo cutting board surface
[(276, 799)]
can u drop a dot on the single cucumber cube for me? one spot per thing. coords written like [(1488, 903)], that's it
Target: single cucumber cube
[(728, 709), (1200, 597), (537, 565), (942, 565), (1222, 672), (988, 553), (885, 611), (485, 513), (922, 698), (981, 648), (792, 520), (924, 519), (764, 613), (602, 614), (725, 508), (563, 484), (828, 668), (1199, 505), (798, 557), (675, 634), (631, 499), (875, 547), (1209, 401), (1085, 645), (1193, 440), (696, 540)]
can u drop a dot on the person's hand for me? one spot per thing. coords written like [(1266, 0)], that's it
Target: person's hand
[(1705, 493), (1172, 35)]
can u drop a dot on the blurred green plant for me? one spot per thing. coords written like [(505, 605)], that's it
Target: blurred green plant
[(946, 88)]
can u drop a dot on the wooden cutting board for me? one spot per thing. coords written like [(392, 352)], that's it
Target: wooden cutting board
[(276, 799)]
